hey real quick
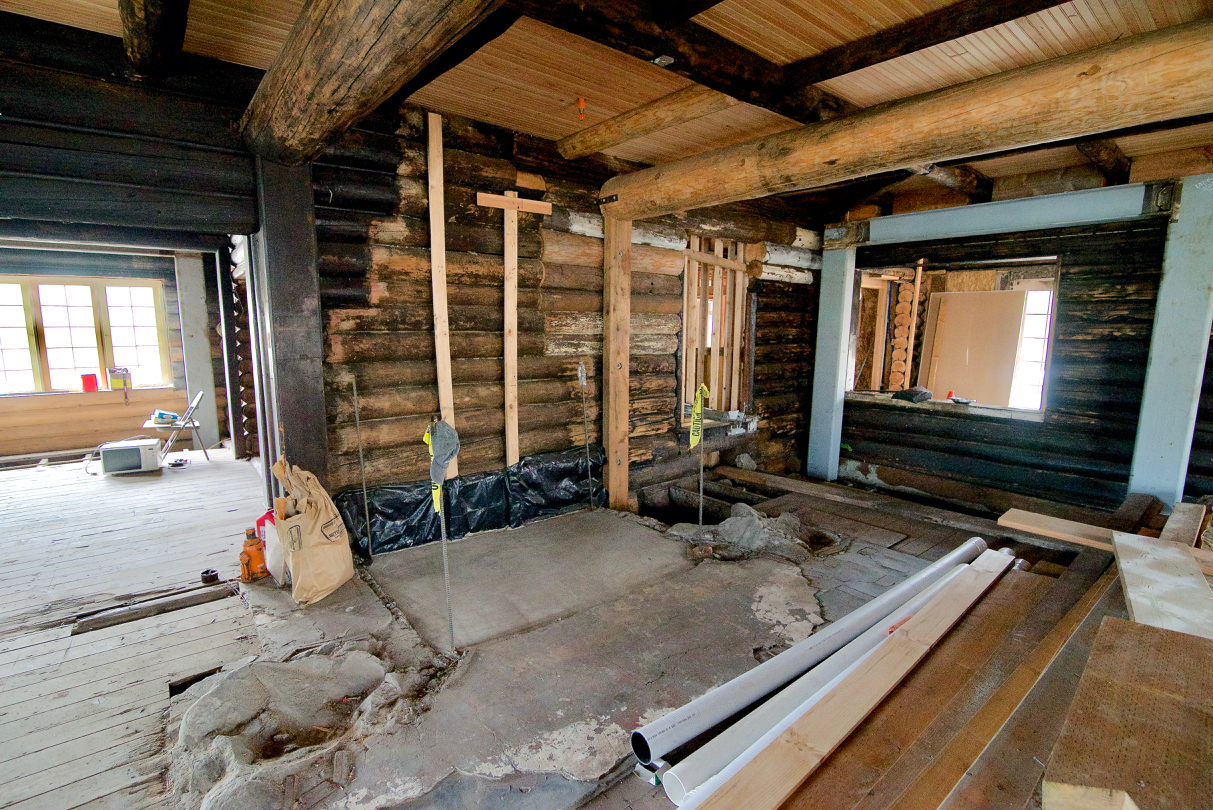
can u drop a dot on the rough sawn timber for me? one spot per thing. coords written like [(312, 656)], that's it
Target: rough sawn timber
[(1136, 80), (340, 61)]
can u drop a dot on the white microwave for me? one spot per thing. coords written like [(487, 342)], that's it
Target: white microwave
[(132, 455)]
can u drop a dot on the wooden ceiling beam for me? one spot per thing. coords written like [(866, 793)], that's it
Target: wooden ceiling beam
[(1110, 159), (153, 32), (682, 105), (1094, 91), (341, 60), (679, 11), (968, 181), (697, 53), (952, 22)]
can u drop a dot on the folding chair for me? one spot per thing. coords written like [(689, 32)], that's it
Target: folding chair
[(186, 422)]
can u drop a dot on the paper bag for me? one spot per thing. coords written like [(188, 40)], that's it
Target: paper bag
[(317, 547)]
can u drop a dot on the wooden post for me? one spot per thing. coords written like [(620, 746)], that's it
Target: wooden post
[(690, 327), (442, 331), (717, 313), (882, 331), (740, 281), (231, 366), (910, 382), (726, 335), (511, 205), (616, 334)]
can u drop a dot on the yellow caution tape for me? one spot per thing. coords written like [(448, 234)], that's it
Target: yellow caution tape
[(435, 487), (697, 415)]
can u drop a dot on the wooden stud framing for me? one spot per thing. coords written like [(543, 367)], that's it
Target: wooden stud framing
[(442, 330), (690, 327), (728, 291), (908, 383), (717, 315), (740, 282), (882, 324), (701, 353), (616, 335)]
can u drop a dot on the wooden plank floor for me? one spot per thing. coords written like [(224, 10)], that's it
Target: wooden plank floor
[(82, 717)]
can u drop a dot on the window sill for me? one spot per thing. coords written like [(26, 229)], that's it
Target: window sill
[(115, 391), (944, 406)]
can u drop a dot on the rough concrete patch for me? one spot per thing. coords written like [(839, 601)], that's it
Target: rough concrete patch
[(789, 604), (391, 792), (352, 612), (583, 750)]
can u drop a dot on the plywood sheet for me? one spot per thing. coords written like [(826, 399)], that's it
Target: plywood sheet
[(974, 341), (1163, 584), (1142, 720)]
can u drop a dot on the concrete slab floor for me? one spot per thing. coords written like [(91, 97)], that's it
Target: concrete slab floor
[(508, 581), (554, 706)]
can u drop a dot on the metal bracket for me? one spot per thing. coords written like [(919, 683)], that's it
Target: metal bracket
[(609, 199)]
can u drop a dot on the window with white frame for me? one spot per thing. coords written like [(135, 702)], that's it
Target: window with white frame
[(54, 329)]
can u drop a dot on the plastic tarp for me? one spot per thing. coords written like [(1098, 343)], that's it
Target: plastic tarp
[(402, 515)]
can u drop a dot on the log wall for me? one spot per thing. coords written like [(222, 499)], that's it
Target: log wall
[(1082, 450), (784, 338)]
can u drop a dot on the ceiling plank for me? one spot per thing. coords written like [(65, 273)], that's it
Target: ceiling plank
[(1093, 91), (952, 22), (341, 60), (682, 105), (153, 32), (1106, 156), (698, 54)]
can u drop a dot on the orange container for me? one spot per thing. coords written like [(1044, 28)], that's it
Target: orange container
[(252, 558)]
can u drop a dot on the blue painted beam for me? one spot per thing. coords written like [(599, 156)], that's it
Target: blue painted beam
[(830, 366)]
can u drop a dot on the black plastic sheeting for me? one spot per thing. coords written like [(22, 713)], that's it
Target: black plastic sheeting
[(402, 515)]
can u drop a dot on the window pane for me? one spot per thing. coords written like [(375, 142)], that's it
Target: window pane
[(118, 296), (150, 356), (147, 375), (1032, 350), (60, 358), (121, 316), (80, 316), (146, 336), (52, 294), (65, 379), (58, 338), (79, 296), (16, 382), (1039, 302), (142, 297), (122, 335), (54, 316), (82, 336), (144, 316), (86, 358), (10, 295), (12, 316), (14, 338), (1035, 326), (126, 356), (15, 359)]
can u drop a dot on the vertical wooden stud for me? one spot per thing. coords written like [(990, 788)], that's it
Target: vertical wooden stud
[(740, 281), (701, 352), (729, 289), (442, 330), (909, 382), (717, 318), (690, 327), (882, 329), (511, 334), (616, 334)]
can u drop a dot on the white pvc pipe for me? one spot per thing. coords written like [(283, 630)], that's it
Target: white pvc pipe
[(698, 796), (689, 721), (731, 743)]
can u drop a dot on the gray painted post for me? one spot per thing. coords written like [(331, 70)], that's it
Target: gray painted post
[(195, 345), (833, 354), (1178, 345)]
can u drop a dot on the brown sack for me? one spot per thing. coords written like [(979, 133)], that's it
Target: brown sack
[(317, 547)]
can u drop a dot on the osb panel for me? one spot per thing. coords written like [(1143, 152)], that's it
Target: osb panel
[(247, 32), (530, 78), (1142, 721), (807, 27), (1054, 32)]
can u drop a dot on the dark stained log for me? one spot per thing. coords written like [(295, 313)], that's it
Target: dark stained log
[(1111, 161), (672, 12), (351, 189), (831, 203), (290, 295), (112, 235), (458, 132), (699, 54), (952, 22), (66, 49), (968, 181), (360, 149), (153, 32), (405, 373), (340, 61), (542, 156)]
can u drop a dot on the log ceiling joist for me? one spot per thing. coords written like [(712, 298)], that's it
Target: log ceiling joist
[(698, 54), (341, 60), (952, 22), (680, 106), (152, 32), (1150, 77), (1106, 156)]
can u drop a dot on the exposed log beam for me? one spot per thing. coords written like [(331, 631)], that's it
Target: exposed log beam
[(1149, 77), (1106, 156), (687, 104), (699, 54), (967, 181), (679, 11), (952, 22), (152, 32), (341, 59)]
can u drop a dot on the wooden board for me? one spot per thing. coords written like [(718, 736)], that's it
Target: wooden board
[(442, 329), (1141, 720), (803, 506), (1081, 533), (616, 354), (1163, 585), (775, 773), (43, 423), (1183, 526)]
